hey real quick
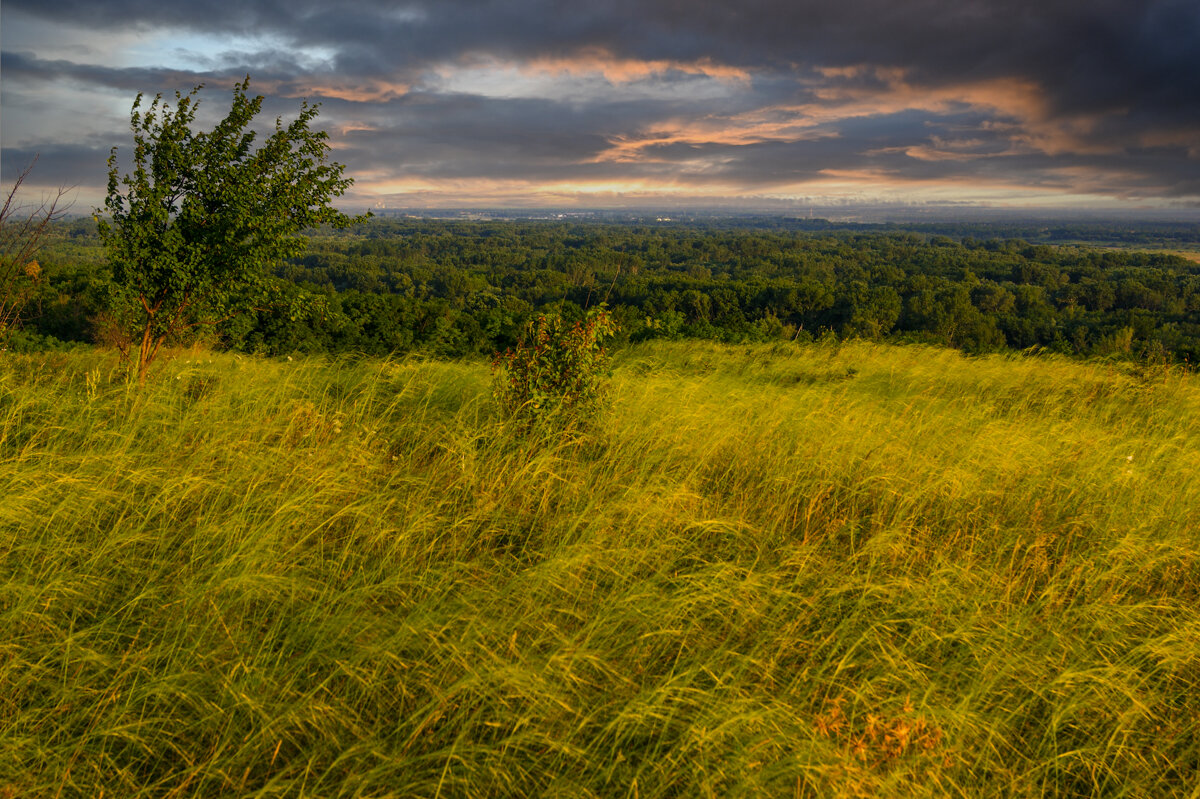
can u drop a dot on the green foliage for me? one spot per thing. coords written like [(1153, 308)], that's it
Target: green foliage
[(192, 231), (556, 367), (740, 284), (450, 288)]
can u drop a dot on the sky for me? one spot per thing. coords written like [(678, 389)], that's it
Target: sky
[(664, 103)]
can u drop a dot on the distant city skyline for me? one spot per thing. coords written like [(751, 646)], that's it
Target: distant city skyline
[(1029, 104)]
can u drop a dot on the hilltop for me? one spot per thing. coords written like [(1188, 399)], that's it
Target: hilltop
[(818, 569)]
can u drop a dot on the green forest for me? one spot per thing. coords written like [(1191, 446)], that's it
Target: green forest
[(454, 287)]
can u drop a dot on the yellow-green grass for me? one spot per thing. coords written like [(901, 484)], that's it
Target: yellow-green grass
[(1191, 253), (855, 570)]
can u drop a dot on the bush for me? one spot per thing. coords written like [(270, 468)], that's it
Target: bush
[(27, 341), (556, 368)]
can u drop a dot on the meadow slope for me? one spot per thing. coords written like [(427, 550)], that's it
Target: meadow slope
[(823, 570)]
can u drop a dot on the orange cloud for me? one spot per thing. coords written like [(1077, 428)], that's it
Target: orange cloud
[(1008, 96), (1188, 140), (361, 91), (941, 149), (764, 125), (337, 141), (1024, 117), (615, 69), (372, 92), (793, 123)]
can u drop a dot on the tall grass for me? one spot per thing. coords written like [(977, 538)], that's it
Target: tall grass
[(852, 570)]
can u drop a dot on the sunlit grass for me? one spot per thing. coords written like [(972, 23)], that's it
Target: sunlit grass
[(851, 570)]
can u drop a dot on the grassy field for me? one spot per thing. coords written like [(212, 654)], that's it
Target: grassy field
[(855, 570), (1191, 254)]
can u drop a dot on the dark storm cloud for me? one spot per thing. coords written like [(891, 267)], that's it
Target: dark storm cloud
[(475, 136), (23, 66), (1099, 55), (463, 136), (1037, 92), (66, 165), (277, 69)]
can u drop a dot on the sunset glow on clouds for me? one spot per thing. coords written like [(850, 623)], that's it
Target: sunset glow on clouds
[(533, 102)]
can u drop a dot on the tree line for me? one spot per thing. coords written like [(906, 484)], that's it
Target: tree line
[(457, 287)]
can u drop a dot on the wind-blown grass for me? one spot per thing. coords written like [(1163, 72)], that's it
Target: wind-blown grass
[(850, 570)]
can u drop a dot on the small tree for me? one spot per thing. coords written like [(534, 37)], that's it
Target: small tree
[(193, 229), (556, 367), (23, 230)]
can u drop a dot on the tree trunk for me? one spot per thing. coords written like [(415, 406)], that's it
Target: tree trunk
[(146, 352)]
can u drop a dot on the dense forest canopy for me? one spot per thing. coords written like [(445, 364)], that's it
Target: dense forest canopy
[(453, 287)]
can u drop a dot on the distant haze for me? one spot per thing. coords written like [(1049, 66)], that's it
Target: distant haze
[(909, 108)]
